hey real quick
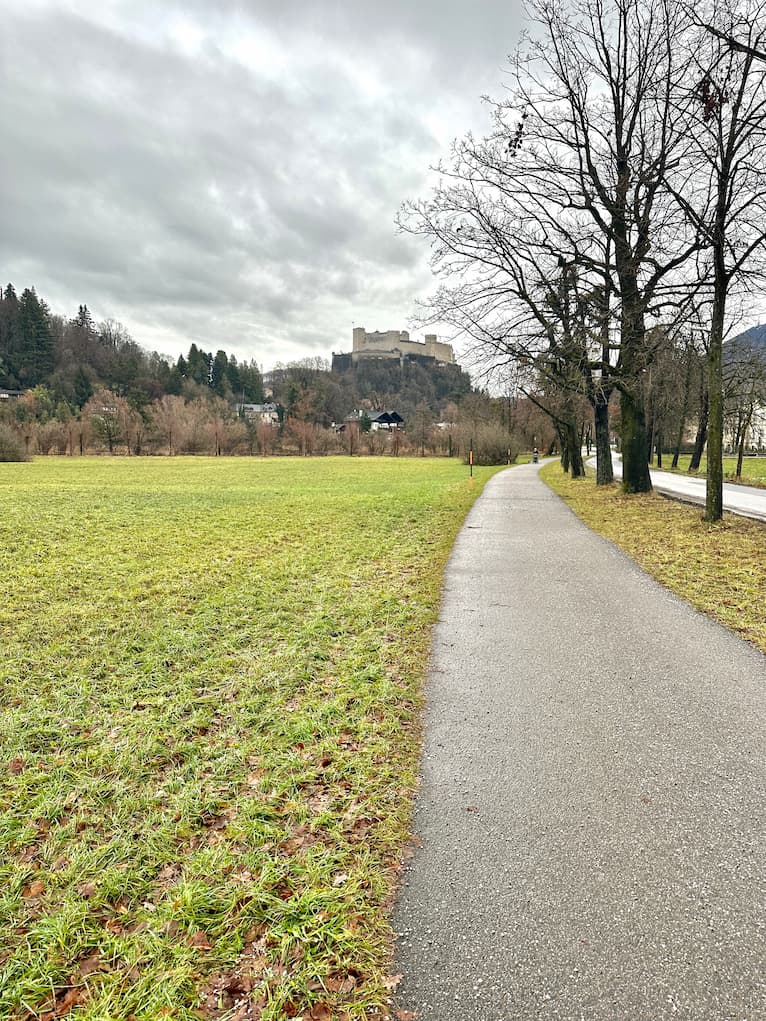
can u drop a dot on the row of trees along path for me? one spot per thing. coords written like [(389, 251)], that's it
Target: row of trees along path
[(619, 203)]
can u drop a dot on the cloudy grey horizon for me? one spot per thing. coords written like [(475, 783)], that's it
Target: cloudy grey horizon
[(230, 174)]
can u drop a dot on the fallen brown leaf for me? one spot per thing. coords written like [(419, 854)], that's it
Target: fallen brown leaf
[(200, 941), (321, 1012), (62, 1006), (342, 984), (90, 965)]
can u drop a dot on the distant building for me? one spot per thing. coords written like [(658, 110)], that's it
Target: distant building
[(7, 395), (389, 421), (396, 344), (268, 413)]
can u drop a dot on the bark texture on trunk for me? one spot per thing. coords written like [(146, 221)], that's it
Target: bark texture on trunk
[(576, 464), (701, 437), (564, 448), (741, 450), (635, 467), (604, 469), (714, 488), (635, 470)]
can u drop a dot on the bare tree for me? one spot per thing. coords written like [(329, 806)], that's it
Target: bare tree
[(168, 416), (744, 377), (573, 176), (723, 189)]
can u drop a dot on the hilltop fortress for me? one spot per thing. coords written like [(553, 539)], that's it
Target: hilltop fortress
[(395, 344)]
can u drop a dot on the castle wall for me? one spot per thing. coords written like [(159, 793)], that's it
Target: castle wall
[(397, 344)]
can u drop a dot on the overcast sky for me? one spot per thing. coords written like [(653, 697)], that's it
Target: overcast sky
[(229, 173)]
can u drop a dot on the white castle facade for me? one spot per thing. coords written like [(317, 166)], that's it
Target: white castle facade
[(397, 344)]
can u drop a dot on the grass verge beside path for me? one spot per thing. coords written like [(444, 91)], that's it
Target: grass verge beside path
[(753, 469), (209, 729), (720, 569)]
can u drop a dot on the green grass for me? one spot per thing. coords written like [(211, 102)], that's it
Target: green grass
[(209, 734), (719, 568), (753, 468)]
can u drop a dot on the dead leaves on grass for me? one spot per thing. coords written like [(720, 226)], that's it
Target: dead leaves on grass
[(34, 890), (75, 993), (63, 1004)]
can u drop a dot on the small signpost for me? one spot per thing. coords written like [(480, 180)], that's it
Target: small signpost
[(470, 464)]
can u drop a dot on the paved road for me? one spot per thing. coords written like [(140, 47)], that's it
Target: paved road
[(592, 808), (748, 501)]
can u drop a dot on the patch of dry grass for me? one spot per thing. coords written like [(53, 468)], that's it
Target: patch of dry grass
[(720, 569)]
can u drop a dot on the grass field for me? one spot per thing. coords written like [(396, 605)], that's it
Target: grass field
[(209, 731), (719, 568), (753, 468)]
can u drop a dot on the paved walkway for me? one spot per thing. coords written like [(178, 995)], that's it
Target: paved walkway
[(594, 780)]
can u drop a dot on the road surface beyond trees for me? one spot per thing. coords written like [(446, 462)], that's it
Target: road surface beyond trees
[(749, 501)]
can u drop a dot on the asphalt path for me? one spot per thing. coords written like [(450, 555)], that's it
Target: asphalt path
[(748, 501), (590, 831)]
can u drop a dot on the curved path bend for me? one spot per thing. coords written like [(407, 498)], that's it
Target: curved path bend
[(591, 829)]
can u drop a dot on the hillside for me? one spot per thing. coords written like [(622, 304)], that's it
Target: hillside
[(752, 340), (73, 358)]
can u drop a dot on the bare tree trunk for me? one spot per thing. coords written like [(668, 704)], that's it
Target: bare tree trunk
[(714, 488), (741, 444), (563, 446), (650, 441), (701, 437), (576, 462), (635, 472), (635, 467), (604, 470)]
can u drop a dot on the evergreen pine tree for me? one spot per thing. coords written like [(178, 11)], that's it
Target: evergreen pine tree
[(81, 386), (198, 363), (10, 337), (37, 357), (84, 319), (218, 368), (233, 378)]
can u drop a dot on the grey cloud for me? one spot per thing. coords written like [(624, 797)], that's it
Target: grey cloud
[(196, 196)]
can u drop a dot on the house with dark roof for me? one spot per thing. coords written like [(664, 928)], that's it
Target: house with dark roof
[(390, 421)]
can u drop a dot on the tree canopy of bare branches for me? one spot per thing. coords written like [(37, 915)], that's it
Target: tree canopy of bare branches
[(580, 234)]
